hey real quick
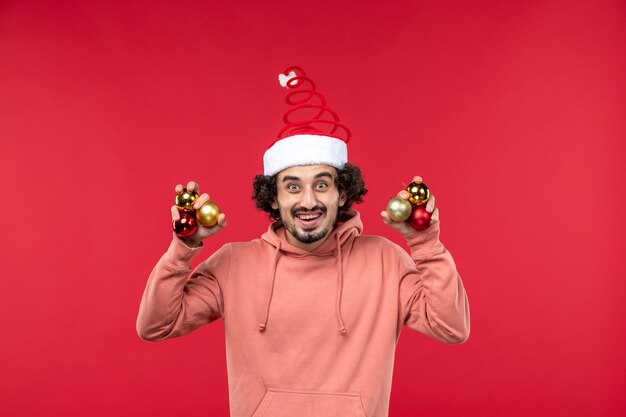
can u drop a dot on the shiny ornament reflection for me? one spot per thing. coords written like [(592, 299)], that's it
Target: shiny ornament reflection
[(186, 225), (208, 214), (418, 193), (185, 199)]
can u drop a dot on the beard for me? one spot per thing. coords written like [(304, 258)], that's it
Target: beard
[(309, 237), (305, 236)]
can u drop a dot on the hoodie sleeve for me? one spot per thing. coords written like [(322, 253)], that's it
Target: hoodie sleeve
[(177, 301), (433, 300)]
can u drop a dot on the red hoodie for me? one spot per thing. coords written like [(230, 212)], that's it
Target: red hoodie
[(309, 334)]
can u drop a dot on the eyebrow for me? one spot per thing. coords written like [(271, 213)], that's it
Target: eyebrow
[(320, 175), (324, 174)]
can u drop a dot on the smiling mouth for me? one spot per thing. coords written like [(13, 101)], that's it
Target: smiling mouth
[(309, 220)]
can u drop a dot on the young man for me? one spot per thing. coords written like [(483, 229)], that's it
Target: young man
[(312, 310)]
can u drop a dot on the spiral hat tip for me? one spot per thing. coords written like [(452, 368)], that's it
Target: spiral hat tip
[(312, 133)]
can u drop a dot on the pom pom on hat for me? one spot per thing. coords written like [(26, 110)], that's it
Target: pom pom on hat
[(283, 79), (310, 140)]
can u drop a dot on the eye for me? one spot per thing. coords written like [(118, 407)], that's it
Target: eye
[(293, 187), (321, 185)]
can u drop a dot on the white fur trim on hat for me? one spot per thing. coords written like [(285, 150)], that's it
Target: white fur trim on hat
[(305, 149)]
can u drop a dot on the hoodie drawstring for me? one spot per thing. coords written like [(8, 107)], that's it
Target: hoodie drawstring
[(342, 325), (263, 325)]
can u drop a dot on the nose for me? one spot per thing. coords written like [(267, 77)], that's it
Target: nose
[(308, 199)]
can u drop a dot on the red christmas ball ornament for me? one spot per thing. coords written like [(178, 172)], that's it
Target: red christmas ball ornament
[(420, 219), (187, 224)]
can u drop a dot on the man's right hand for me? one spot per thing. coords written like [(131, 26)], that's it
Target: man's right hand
[(203, 232)]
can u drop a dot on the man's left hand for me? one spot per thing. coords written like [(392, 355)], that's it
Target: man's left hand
[(404, 227)]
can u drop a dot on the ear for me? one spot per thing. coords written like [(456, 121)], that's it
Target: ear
[(342, 198), (274, 204)]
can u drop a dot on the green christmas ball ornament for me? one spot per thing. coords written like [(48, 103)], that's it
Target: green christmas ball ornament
[(399, 209)]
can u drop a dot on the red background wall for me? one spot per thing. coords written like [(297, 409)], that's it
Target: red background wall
[(513, 112)]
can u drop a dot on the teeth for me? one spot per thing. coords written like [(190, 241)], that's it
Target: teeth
[(308, 216)]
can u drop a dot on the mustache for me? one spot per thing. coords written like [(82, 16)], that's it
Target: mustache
[(323, 209)]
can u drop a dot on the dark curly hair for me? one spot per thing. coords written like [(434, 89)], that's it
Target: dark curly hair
[(348, 180)]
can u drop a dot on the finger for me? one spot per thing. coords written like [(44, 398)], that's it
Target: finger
[(178, 188), (417, 179), (435, 216), (430, 205), (385, 217), (221, 220), (200, 201), (404, 194), (193, 186), (175, 213)]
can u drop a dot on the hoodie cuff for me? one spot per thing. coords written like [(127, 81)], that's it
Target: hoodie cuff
[(179, 255), (425, 243)]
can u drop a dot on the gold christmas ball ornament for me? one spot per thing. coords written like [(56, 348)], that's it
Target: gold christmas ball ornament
[(418, 193), (185, 199), (208, 214), (399, 209)]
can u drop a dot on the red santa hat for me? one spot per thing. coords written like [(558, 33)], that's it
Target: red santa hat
[(312, 133)]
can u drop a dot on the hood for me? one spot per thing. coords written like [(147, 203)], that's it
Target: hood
[(346, 229)]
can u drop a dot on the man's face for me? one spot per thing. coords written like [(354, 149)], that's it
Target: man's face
[(308, 201)]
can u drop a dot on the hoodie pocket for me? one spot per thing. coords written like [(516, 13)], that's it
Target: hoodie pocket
[(309, 403)]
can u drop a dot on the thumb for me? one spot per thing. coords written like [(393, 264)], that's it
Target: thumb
[(175, 213), (385, 217), (221, 220)]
